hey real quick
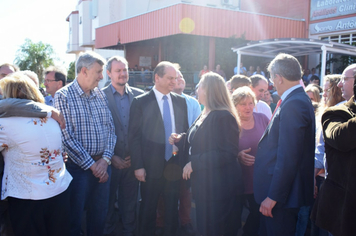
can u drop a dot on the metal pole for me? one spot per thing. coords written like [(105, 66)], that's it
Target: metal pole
[(323, 65), (238, 61)]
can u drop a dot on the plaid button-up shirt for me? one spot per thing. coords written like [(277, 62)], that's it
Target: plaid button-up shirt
[(89, 126)]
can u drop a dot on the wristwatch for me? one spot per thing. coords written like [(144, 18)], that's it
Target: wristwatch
[(107, 160)]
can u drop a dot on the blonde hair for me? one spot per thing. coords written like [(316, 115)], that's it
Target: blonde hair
[(316, 92), (335, 94), (241, 94), (217, 94), (18, 85)]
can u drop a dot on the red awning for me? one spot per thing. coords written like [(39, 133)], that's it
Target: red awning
[(197, 20)]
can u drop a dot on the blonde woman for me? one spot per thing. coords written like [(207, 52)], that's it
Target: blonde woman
[(252, 127), (213, 148), (35, 179), (313, 92)]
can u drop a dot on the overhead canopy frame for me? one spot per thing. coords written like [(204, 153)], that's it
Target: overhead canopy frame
[(294, 46)]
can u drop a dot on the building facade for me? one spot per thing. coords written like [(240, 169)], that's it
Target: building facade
[(194, 32)]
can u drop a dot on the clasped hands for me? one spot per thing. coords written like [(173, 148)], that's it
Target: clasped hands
[(120, 163), (99, 169)]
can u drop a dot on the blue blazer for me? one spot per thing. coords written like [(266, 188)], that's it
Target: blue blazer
[(284, 164)]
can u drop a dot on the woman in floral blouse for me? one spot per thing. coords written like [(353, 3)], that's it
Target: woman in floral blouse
[(35, 178)]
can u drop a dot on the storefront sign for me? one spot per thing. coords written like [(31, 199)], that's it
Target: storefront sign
[(332, 26), (322, 9), (145, 61)]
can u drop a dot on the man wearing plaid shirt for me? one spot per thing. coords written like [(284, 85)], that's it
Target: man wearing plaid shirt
[(89, 140)]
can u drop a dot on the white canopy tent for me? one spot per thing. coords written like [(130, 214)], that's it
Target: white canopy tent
[(293, 46)]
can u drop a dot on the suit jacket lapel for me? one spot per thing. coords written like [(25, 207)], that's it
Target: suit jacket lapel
[(130, 93), (155, 108), (112, 103), (279, 109)]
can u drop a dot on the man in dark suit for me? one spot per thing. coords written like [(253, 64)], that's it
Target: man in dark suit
[(120, 96), (334, 209), (284, 165), (153, 117)]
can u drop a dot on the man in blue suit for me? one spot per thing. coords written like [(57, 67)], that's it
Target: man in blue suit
[(284, 165)]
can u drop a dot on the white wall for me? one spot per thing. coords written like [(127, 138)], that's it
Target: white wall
[(85, 23), (107, 54)]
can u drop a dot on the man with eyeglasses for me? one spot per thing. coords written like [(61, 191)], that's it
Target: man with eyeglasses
[(55, 78), (347, 81), (335, 206)]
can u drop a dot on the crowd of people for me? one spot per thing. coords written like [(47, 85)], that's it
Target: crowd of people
[(287, 154)]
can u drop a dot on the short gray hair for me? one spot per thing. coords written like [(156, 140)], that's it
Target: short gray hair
[(286, 66), (118, 59), (87, 59), (241, 94)]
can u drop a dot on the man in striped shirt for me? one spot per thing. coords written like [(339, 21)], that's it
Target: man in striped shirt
[(89, 139)]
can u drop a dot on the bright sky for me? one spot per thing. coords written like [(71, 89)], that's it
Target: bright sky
[(38, 20)]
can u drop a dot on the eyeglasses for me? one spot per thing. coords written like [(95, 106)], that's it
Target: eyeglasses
[(48, 80), (346, 78)]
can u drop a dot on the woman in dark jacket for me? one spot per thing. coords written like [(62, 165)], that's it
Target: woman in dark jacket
[(213, 168)]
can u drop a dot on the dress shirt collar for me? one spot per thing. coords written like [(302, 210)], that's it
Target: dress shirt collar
[(80, 90), (288, 91), (114, 90), (160, 95)]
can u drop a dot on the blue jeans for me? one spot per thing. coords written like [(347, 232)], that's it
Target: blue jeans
[(87, 193), (303, 218)]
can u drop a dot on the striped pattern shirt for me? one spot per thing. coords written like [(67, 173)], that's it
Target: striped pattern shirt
[(89, 126)]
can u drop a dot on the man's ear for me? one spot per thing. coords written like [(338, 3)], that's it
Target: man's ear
[(156, 78), (278, 79), (84, 70)]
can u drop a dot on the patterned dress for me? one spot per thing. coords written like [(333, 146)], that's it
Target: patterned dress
[(34, 166)]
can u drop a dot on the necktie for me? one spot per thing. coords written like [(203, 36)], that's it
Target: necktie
[(278, 104), (167, 127)]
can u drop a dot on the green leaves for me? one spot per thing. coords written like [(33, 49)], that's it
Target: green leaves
[(35, 57), (71, 72)]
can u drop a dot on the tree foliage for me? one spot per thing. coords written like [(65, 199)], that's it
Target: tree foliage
[(71, 72), (35, 57)]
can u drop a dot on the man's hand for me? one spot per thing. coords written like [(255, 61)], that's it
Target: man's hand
[(246, 159), (104, 178), (174, 138), (101, 168), (267, 206), (119, 163), (128, 160), (140, 174), (58, 116), (187, 170), (93, 169)]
